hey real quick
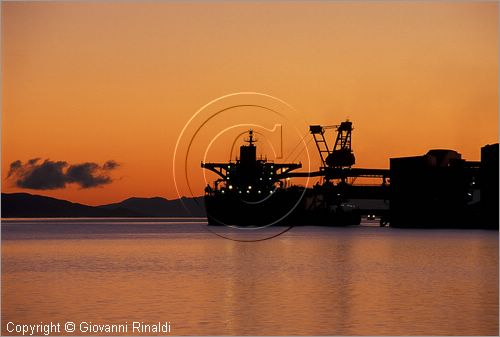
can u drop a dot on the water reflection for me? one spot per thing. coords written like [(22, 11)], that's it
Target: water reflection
[(314, 281)]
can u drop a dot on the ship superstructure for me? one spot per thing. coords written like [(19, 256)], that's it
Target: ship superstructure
[(248, 177)]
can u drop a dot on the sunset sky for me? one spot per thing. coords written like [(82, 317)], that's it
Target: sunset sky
[(116, 82)]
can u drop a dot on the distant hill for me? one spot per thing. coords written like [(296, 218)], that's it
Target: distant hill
[(157, 206), (25, 205)]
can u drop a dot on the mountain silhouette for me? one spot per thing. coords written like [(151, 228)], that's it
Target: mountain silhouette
[(25, 205), (158, 206)]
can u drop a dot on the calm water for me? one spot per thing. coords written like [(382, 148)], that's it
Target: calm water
[(365, 280)]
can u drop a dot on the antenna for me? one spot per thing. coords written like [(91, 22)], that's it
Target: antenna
[(250, 140)]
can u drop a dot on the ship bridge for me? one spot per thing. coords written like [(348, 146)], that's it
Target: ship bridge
[(248, 174)]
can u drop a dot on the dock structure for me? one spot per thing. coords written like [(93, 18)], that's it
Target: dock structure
[(439, 189), (488, 185), (433, 190)]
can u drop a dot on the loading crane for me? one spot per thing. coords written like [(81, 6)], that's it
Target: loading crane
[(337, 162), (341, 156)]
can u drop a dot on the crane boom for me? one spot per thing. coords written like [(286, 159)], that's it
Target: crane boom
[(341, 156)]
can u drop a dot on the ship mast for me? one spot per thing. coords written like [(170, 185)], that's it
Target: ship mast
[(250, 140)]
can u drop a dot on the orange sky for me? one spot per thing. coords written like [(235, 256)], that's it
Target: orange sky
[(93, 81)]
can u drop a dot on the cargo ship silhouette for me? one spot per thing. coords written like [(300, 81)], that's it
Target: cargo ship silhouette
[(252, 192)]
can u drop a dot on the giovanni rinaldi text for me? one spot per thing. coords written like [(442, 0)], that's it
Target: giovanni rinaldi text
[(54, 328)]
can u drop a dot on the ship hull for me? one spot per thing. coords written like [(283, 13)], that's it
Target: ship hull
[(286, 207)]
